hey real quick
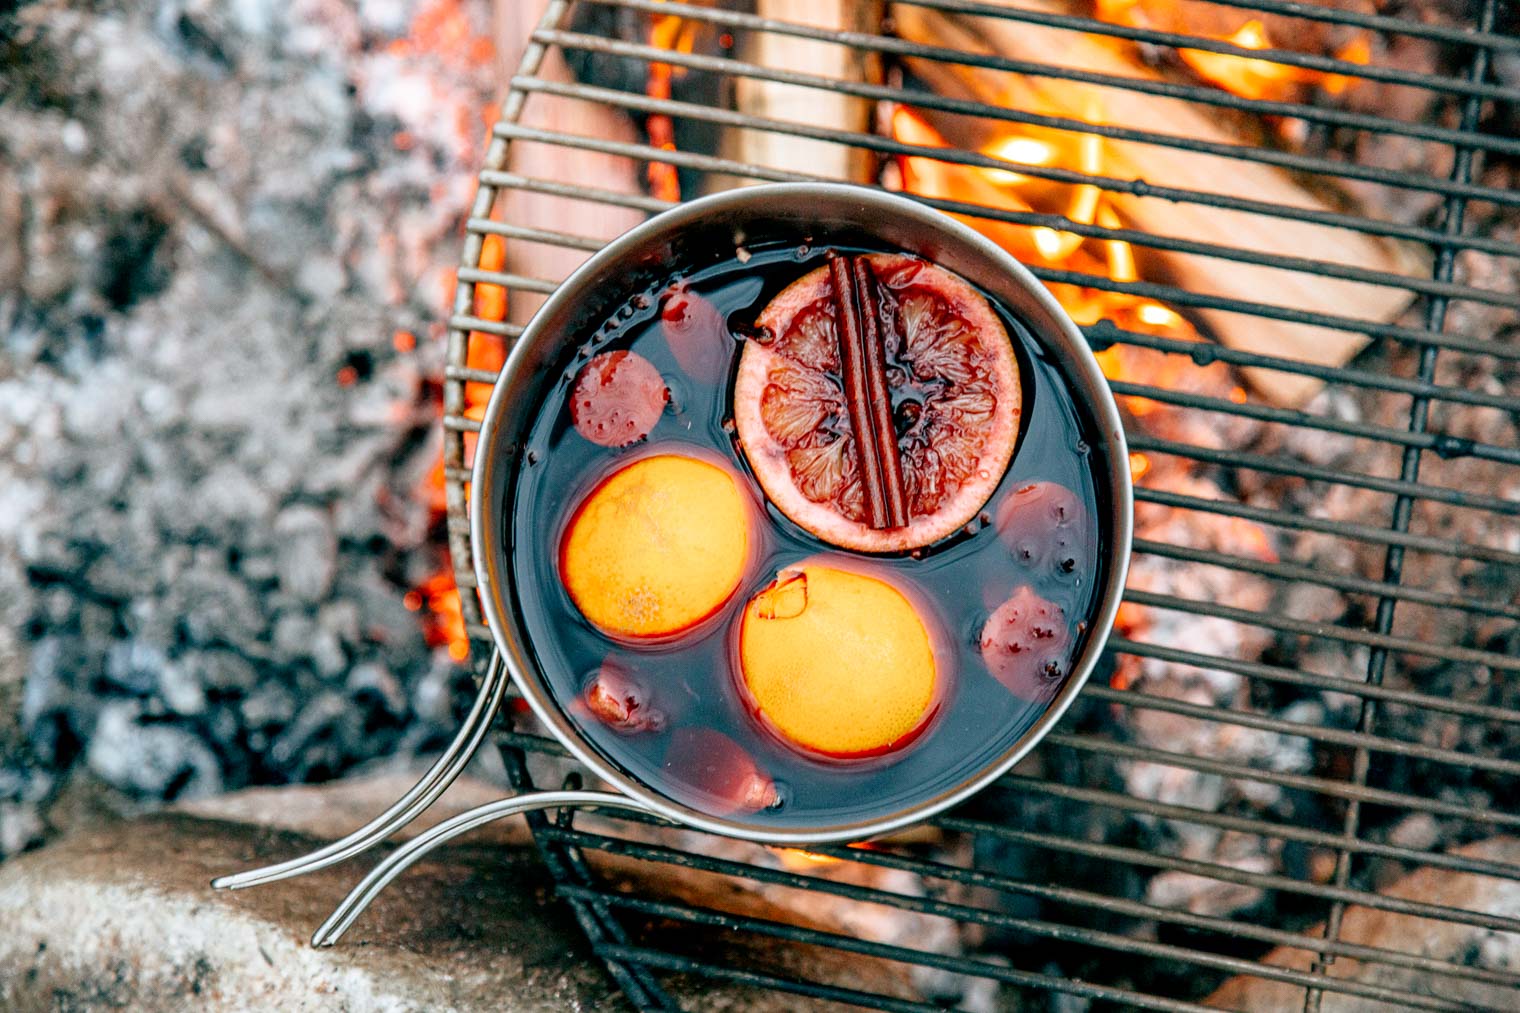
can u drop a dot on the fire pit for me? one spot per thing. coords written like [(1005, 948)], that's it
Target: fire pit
[(1291, 233)]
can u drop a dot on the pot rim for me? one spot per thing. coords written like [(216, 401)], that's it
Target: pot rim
[(1090, 390)]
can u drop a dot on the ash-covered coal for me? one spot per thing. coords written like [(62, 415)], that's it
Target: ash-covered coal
[(225, 235)]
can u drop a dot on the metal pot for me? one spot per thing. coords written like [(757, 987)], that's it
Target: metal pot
[(827, 215), (693, 233)]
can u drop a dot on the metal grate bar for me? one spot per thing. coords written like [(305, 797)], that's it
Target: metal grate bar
[(1283, 57), (958, 965), (1105, 941), (1197, 94), (1229, 874), (791, 986), (1302, 782), (898, 47), (1298, 573), (1380, 22), (1164, 293), (1444, 445), (1104, 334), (1281, 831), (635, 981), (1345, 529), (1108, 902), (928, 100), (1324, 631), (1419, 418), (1330, 684), (960, 156), (1248, 461), (1335, 736), (849, 944), (1352, 223), (1117, 905)]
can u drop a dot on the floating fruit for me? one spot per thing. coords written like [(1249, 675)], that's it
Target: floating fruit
[(882, 408), (657, 547), (617, 398), (1024, 644), (1041, 522), (620, 701), (719, 770), (837, 662), (696, 333)]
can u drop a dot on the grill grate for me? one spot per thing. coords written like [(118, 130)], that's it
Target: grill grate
[(1427, 722)]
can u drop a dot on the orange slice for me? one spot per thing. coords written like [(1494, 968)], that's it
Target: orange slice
[(949, 372), (657, 547), (837, 662)]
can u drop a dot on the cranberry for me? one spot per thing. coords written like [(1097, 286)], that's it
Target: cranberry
[(620, 701), (697, 335), (1025, 644), (617, 398), (720, 771), (1041, 523)]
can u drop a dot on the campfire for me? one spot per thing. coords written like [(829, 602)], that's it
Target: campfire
[(1196, 205)]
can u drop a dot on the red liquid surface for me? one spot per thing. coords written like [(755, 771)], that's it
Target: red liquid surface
[(691, 682)]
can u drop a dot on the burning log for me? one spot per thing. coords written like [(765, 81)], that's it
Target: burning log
[(1449, 941), (836, 111), (1182, 169), (560, 164)]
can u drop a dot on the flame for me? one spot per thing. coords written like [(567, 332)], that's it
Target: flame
[(797, 860), (679, 35), (1087, 204), (1243, 75), (1246, 76), (443, 622)]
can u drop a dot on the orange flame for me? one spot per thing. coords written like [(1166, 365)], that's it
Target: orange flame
[(797, 860), (1246, 76), (677, 35)]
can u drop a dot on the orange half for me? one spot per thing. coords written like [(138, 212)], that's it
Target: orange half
[(657, 547), (837, 662)]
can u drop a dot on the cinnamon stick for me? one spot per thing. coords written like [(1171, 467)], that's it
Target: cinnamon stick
[(880, 394), (866, 397)]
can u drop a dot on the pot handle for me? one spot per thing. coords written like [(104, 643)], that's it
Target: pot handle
[(402, 858), (408, 807)]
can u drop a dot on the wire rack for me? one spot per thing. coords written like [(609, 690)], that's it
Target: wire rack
[(1048, 886)]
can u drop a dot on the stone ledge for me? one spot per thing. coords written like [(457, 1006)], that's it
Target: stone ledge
[(124, 918)]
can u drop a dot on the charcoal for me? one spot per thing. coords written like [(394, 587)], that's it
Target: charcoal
[(135, 666), (156, 760), (221, 671), (307, 555), (20, 827), (205, 529), (180, 690)]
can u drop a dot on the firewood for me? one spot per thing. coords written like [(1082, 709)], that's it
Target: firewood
[(1182, 169), (811, 106), (560, 164)]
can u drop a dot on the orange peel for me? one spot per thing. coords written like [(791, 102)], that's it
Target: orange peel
[(657, 547), (837, 662)]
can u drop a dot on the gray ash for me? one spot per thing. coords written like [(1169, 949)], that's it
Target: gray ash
[(213, 221)]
